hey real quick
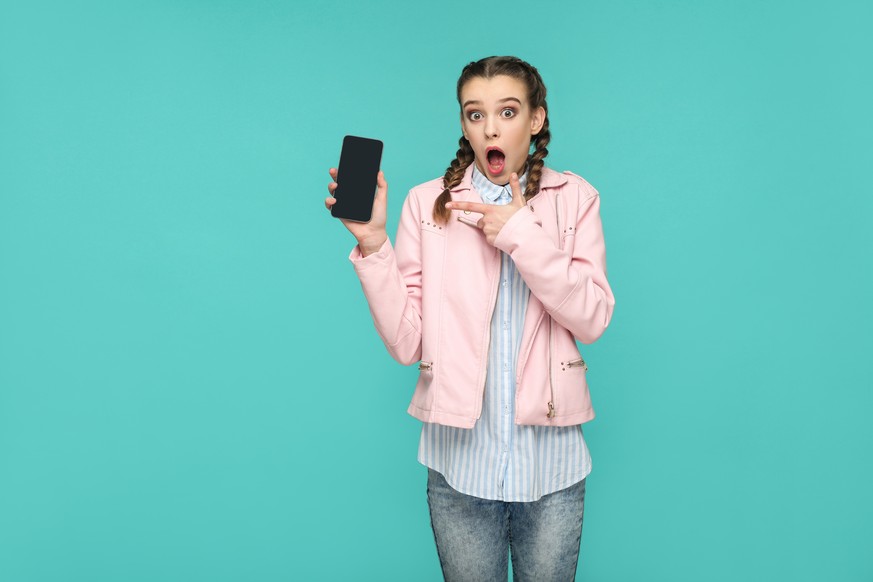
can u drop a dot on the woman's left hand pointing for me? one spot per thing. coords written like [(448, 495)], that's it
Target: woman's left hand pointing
[(494, 216)]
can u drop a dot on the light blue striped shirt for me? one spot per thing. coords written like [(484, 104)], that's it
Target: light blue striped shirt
[(498, 459)]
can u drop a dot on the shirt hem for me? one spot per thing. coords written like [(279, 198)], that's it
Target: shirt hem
[(572, 481)]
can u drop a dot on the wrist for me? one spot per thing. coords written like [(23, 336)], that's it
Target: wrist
[(372, 244)]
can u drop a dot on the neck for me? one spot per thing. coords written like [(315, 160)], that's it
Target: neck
[(520, 173)]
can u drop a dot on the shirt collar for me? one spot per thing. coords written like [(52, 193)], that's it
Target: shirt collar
[(491, 192)]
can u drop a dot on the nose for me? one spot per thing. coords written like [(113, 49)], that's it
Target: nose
[(491, 127)]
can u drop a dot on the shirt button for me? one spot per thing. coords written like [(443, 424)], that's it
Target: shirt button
[(505, 325), (505, 410), (504, 282), (505, 365)]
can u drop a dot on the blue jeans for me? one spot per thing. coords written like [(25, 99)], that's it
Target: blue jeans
[(473, 535)]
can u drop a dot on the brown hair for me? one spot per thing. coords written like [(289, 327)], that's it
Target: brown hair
[(536, 97)]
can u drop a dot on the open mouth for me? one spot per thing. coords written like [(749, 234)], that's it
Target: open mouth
[(496, 160)]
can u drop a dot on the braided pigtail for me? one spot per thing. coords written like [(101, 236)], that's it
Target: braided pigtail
[(535, 160), (453, 177)]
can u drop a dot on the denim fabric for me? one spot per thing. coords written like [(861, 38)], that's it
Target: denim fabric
[(474, 536)]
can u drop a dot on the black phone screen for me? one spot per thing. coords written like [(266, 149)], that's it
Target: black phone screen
[(356, 178)]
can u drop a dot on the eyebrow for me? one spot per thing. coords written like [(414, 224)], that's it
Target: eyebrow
[(505, 99)]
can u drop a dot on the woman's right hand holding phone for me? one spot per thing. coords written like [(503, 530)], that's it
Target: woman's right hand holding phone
[(370, 235)]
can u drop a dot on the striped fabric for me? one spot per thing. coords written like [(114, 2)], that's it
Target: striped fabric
[(498, 459)]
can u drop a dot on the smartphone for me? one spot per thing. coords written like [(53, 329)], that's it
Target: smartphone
[(356, 178)]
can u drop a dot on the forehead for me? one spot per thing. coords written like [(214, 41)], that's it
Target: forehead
[(490, 91)]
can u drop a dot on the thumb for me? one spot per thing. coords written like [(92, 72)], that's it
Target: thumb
[(515, 185), (381, 186)]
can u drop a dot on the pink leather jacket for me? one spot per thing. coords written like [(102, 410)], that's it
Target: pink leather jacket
[(432, 295)]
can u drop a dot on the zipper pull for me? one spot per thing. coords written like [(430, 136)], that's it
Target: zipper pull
[(577, 363), (551, 413), (425, 366)]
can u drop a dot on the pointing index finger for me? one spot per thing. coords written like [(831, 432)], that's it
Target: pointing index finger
[(471, 206)]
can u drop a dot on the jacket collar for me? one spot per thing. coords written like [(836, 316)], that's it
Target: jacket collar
[(549, 179)]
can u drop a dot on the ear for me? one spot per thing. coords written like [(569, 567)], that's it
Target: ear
[(463, 129), (538, 118)]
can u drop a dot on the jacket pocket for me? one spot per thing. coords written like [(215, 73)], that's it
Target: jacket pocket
[(572, 386), (577, 363)]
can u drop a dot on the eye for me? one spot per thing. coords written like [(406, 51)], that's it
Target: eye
[(510, 111), (473, 115)]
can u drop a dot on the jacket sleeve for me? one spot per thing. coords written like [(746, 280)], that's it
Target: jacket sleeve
[(391, 280), (571, 283)]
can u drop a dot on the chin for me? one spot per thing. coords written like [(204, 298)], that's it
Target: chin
[(505, 174)]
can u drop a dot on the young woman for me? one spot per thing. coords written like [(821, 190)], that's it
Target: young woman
[(498, 267)]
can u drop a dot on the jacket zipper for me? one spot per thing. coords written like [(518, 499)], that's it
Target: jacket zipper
[(551, 413), (422, 366)]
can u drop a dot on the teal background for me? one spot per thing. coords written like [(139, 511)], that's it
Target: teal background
[(191, 387)]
